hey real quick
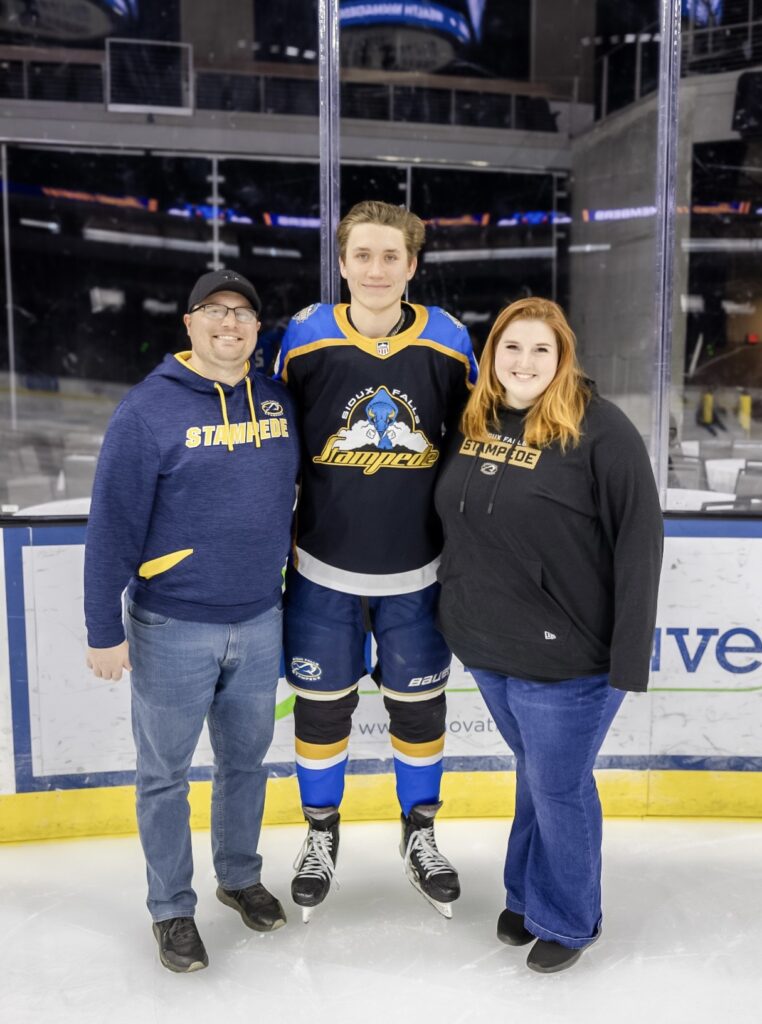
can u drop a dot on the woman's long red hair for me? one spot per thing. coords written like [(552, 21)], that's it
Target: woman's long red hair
[(557, 414)]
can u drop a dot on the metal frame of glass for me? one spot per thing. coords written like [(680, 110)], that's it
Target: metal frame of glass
[(666, 172)]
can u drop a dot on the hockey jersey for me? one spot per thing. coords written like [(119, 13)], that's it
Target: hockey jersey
[(374, 412)]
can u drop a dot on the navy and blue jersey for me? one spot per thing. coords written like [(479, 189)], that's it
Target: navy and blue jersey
[(374, 412)]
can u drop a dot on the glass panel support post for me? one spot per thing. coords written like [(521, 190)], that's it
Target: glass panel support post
[(214, 201), (666, 179), (9, 291), (330, 167)]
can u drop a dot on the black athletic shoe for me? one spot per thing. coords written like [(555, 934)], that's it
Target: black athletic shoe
[(316, 863), (429, 871), (180, 947), (550, 957), (258, 908), (511, 930)]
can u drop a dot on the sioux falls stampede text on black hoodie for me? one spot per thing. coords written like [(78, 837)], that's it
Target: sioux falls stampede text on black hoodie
[(551, 563)]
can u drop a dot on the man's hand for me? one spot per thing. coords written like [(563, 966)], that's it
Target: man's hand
[(108, 662)]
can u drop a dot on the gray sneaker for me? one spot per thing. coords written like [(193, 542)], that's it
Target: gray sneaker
[(258, 908), (180, 947)]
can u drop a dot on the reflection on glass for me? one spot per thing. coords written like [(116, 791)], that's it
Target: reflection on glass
[(103, 251), (715, 455), (627, 54), (489, 237), (454, 63), (490, 240), (171, 56), (523, 133), (529, 181), (104, 242)]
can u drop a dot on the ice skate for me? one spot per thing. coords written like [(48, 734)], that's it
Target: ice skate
[(316, 863), (427, 869)]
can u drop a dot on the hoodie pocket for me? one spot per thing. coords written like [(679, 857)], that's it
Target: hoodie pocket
[(503, 595), (156, 566)]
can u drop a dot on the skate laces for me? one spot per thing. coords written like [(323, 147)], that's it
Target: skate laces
[(430, 860), (314, 859)]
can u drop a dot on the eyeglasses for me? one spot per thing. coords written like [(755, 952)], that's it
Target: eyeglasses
[(216, 311)]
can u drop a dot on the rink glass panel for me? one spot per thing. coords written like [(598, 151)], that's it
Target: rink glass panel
[(526, 134), (715, 444), (492, 118), (108, 228), (103, 251)]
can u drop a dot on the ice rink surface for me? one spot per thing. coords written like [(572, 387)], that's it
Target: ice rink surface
[(681, 943)]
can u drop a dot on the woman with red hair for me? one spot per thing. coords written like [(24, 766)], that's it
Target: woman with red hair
[(550, 573)]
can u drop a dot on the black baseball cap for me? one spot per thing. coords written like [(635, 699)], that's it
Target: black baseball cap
[(223, 281)]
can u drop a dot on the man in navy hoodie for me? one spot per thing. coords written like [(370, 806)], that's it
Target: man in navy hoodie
[(191, 512)]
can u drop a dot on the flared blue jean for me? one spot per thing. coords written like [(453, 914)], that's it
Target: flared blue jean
[(553, 863)]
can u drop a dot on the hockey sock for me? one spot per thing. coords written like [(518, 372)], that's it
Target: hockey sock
[(322, 730), (417, 733)]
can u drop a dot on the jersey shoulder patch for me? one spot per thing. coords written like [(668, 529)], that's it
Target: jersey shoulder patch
[(454, 319), (449, 333), (311, 324), (444, 323), (306, 313), (445, 328)]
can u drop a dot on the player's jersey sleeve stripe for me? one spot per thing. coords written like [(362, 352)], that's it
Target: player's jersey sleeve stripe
[(311, 346), (466, 358)]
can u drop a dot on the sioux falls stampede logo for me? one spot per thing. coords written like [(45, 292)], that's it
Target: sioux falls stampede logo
[(380, 434)]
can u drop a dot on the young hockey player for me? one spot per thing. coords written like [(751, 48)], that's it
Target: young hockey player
[(378, 382)]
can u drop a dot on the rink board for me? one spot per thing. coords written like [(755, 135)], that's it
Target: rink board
[(692, 745)]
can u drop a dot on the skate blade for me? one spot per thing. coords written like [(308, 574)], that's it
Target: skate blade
[(445, 909)]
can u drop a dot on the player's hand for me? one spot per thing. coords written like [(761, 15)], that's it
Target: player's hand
[(109, 662)]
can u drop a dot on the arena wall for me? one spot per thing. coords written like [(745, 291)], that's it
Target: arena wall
[(691, 746)]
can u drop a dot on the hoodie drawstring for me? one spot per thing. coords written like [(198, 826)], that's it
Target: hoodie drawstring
[(253, 414), (499, 477), (225, 420), (467, 481)]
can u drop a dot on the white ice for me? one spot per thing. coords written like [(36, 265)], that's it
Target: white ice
[(682, 938)]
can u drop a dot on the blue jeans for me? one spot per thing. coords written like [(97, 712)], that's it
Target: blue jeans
[(183, 673), (553, 864)]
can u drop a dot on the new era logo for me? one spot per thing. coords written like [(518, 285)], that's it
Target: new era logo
[(549, 636)]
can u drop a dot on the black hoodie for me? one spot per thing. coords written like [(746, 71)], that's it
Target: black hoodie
[(551, 563)]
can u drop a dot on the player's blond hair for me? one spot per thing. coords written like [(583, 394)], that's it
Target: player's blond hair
[(373, 211), (556, 415)]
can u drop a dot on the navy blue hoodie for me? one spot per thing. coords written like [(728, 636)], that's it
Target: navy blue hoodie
[(192, 501)]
